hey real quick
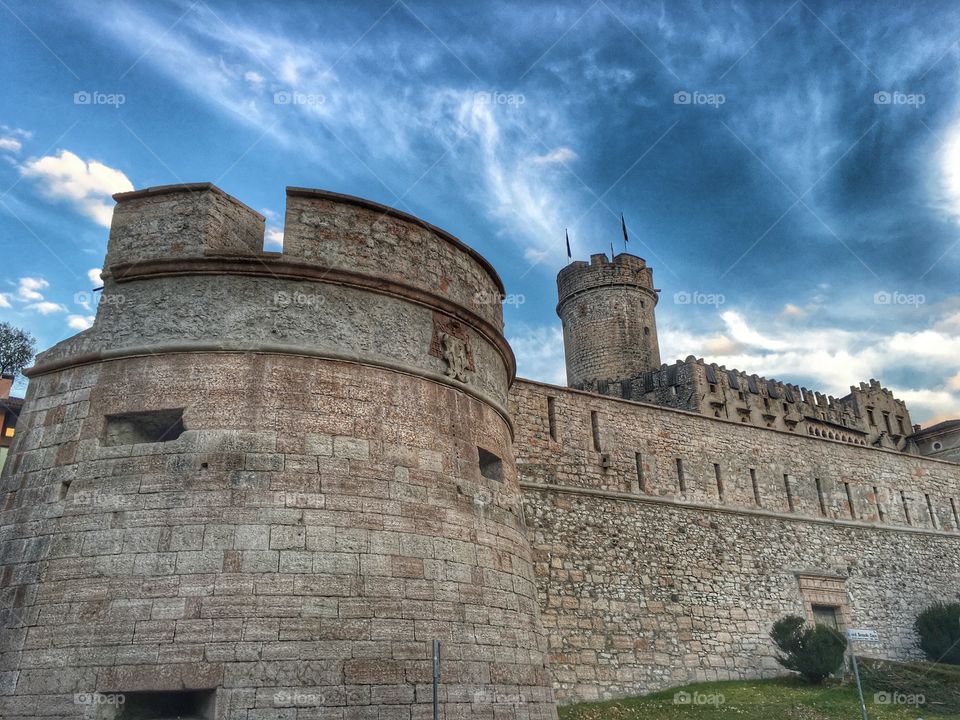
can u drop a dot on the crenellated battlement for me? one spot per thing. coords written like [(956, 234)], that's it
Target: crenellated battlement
[(624, 270)]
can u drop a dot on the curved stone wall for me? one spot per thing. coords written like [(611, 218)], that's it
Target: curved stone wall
[(337, 490)]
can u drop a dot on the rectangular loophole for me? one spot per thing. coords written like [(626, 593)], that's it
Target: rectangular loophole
[(151, 426), (491, 466), (756, 488), (162, 705), (681, 478), (853, 508), (820, 498), (932, 512), (786, 486), (641, 480), (595, 428), (719, 476), (956, 516), (906, 508), (876, 499), (552, 416)]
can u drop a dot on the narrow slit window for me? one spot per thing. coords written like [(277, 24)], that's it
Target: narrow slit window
[(932, 512), (756, 488), (853, 509), (719, 476), (151, 426), (491, 466), (876, 499), (595, 428), (64, 490), (681, 479), (956, 516), (786, 486), (641, 480), (906, 508), (552, 416), (820, 498)]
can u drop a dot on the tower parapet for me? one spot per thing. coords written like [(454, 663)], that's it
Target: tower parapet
[(609, 324)]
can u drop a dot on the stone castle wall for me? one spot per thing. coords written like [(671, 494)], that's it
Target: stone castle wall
[(648, 580), (272, 479)]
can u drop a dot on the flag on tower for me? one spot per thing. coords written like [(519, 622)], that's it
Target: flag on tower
[(623, 226), (569, 254)]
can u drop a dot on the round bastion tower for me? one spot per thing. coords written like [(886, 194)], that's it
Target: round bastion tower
[(609, 324), (263, 484)]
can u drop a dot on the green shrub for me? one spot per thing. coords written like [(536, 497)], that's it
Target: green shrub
[(939, 629), (814, 652)]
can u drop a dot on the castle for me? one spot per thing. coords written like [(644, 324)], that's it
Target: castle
[(263, 484)]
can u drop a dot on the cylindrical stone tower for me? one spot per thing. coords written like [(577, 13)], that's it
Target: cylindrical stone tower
[(609, 325), (262, 484)]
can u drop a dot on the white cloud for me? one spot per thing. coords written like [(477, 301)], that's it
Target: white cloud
[(45, 307), (29, 288), (5, 299), (252, 77), (539, 354), (950, 171), (10, 144), (87, 184), (560, 155), (80, 322), (93, 275), (274, 240)]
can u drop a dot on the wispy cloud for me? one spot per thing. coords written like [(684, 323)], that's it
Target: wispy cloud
[(86, 184)]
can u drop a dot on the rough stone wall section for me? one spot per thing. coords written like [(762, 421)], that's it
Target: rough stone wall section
[(665, 554)]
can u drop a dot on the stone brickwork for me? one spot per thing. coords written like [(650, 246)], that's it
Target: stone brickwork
[(328, 497), (666, 543)]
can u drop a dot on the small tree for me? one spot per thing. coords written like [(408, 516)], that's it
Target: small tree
[(939, 629), (814, 652), (16, 349)]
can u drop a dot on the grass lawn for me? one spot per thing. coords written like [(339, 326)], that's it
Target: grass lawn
[(781, 698)]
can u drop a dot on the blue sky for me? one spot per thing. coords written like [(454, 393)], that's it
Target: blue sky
[(790, 170)]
